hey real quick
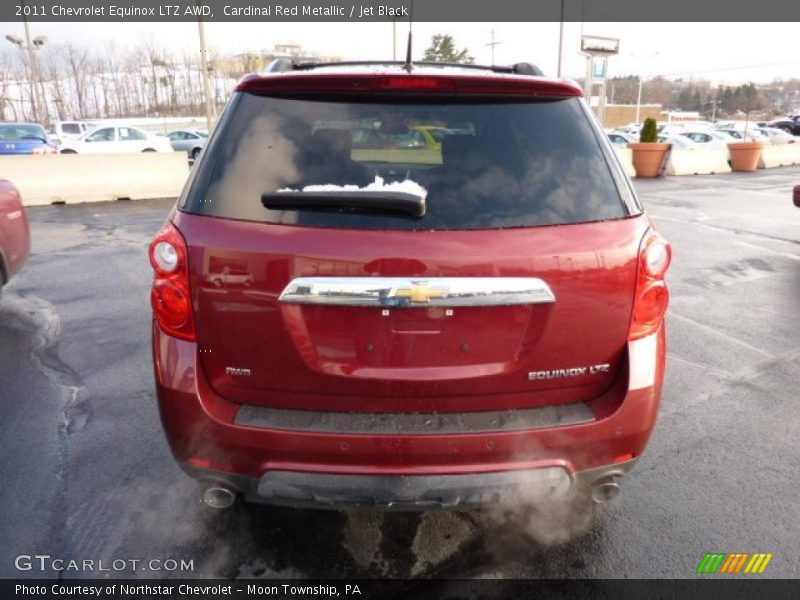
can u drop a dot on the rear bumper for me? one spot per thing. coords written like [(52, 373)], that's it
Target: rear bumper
[(311, 467), (415, 492)]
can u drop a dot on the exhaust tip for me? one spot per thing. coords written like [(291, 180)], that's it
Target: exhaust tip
[(605, 490), (219, 497)]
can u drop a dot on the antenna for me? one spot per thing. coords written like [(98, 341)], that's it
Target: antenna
[(408, 66)]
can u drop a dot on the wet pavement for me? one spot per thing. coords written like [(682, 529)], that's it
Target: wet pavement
[(89, 476)]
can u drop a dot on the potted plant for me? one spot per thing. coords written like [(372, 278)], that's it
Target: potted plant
[(649, 155), (746, 154)]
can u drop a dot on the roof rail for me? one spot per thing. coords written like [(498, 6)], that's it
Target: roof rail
[(281, 65), (521, 68)]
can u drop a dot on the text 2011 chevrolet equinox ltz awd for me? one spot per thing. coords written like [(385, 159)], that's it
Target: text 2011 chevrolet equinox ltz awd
[(410, 288)]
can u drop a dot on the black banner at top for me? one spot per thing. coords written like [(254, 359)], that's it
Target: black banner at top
[(386, 10)]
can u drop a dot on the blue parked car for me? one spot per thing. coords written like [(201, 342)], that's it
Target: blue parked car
[(24, 138)]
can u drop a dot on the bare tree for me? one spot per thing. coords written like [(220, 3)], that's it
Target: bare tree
[(112, 66), (52, 68), (77, 61), (7, 76), (154, 57), (189, 71)]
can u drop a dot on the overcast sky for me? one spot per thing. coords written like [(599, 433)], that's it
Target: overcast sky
[(722, 52)]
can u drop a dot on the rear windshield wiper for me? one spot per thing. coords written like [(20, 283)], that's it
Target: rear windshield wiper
[(411, 204)]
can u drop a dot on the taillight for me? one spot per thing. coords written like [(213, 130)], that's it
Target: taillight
[(652, 296), (170, 297), (415, 83)]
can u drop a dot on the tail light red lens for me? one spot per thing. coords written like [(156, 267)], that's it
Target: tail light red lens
[(170, 296), (418, 83), (652, 295)]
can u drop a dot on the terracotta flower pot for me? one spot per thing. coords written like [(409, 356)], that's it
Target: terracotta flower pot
[(745, 155), (649, 158)]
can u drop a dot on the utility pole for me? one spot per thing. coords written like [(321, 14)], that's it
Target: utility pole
[(561, 39), (394, 39), (206, 81), (493, 44)]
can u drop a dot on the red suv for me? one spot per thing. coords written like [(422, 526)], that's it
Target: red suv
[(421, 326), (15, 238)]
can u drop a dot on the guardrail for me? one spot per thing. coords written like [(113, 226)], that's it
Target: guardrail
[(700, 161), (625, 156), (713, 161), (779, 155), (56, 178)]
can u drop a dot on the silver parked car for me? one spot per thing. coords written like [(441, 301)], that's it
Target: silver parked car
[(776, 136), (190, 141), (620, 140), (679, 142)]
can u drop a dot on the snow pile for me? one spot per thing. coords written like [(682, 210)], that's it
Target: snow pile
[(406, 187)]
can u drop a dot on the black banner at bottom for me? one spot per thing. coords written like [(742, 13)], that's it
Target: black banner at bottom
[(365, 589)]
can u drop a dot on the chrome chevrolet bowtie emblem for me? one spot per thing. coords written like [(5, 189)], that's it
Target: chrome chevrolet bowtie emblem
[(419, 293)]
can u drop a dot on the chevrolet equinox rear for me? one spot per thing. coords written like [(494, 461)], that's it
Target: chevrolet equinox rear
[(345, 314)]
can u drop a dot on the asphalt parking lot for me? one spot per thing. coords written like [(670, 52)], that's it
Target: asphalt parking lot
[(88, 473)]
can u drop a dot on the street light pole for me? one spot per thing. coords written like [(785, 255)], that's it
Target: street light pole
[(30, 46), (206, 81), (641, 81), (639, 101), (34, 71)]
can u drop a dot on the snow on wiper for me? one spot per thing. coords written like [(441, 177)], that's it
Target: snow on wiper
[(401, 196)]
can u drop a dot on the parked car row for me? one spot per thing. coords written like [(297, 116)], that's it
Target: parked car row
[(706, 135), (79, 137)]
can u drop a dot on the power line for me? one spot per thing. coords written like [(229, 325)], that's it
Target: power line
[(721, 69)]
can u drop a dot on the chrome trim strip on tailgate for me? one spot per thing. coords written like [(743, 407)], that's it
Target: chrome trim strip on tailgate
[(263, 417), (402, 292)]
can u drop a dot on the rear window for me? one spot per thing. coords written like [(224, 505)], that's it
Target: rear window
[(22, 131), (489, 165)]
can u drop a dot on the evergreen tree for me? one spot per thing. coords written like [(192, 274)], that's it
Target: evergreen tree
[(443, 49)]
